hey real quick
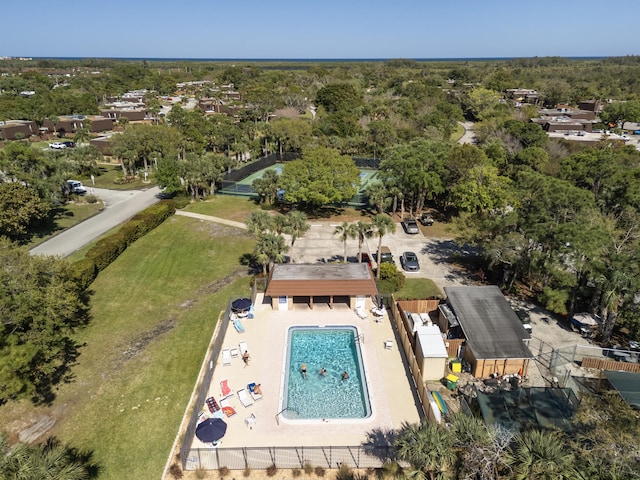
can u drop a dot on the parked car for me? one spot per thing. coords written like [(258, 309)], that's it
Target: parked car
[(365, 258), (410, 226), (69, 144), (75, 186), (57, 145), (426, 219), (409, 261), (385, 255)]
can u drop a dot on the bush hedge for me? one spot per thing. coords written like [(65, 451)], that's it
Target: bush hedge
[(108, 249)]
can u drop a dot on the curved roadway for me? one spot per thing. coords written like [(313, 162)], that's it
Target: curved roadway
[(120, 205)]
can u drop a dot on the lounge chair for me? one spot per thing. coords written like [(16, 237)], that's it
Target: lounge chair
[(256, 396), (388, 345), (235, 353), (226, 357), (250, 420), (212, 404), (227, 409), (226, 390), (242, 346), (361, 313), (238, 325), (244, 398)]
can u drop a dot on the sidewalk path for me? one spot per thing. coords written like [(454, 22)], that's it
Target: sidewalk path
[(210, 218), (468, 136)]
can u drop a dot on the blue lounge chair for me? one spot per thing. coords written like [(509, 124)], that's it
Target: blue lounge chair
[(238, 325)]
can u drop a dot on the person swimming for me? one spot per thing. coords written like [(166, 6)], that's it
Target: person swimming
[(303, 369)]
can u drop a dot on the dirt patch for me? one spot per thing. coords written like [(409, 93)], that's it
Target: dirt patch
[(139, 344), (41, 426), (223, 282), (288, 112)]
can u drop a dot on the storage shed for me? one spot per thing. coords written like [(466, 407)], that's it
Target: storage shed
[(431, 353)]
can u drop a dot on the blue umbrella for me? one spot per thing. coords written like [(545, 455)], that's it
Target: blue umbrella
[(241, 304), (211, 430)]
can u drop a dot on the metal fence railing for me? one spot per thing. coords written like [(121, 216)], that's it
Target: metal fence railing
[(256, 458)]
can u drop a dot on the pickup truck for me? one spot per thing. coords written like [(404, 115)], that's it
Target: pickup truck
[(426, 219)]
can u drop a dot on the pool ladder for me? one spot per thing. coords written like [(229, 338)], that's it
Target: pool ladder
[(359, 338)]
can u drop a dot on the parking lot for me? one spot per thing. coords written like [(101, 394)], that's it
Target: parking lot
[(320, 245)]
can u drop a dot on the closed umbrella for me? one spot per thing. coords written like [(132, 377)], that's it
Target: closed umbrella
[(241, 304), (211, 430)]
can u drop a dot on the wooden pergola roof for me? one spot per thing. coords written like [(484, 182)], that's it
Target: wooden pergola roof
[(313, 280)]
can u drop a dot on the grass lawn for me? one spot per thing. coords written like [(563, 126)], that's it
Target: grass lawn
[(419, 288), (154, 310), (457, 133), (109, 172)]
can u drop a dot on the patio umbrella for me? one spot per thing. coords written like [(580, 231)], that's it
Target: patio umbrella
[(211, 430), (241, 304)]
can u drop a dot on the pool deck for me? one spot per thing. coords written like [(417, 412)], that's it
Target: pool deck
[(392, 399)]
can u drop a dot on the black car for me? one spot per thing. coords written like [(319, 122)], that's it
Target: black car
[(409, 261), (69, 144)]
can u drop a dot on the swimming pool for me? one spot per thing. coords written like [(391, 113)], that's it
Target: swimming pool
[(337, 350)]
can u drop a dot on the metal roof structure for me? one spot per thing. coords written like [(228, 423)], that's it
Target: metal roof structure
[(627, 384), (491, 327)]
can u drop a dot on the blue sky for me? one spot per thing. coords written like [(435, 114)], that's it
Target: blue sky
[(318, 29)]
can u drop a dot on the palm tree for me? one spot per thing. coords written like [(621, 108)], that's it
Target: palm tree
[(297, 225), (428, 447), (376, 193), (541, 455), (259, 223), (344, 232), (363, 231), (270, 248), (382, 225)]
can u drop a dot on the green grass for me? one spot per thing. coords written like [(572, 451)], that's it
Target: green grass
[(229, 207), (457, 133), (419, 288), (152, 322), (108, 173)]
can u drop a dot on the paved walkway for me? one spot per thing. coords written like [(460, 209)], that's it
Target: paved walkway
[(468, 136), (210, 218)]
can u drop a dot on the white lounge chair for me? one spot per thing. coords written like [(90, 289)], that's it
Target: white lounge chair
[(250, 420), (226, 357), (242, 346), (235, 353), (361, 312), (388, 345), (244, 398)]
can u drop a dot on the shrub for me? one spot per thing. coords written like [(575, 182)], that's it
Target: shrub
[(201, 472), (84, 272), (391, 280), (175, 471), (308, 468), (246, 472), (319, 471), (91, 199), (344, 472), (272, 470), (223, 472), (296, 472)]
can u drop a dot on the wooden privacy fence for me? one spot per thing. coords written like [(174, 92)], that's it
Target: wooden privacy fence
[(605, 364)]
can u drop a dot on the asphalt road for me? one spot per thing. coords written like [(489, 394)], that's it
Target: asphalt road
[(120, 205)]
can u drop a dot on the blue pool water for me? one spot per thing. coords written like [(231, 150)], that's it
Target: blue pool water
[(324, 397)]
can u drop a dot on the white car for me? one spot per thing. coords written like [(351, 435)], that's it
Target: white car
[(57, 145)]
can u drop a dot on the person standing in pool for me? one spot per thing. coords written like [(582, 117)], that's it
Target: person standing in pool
[(323, 372), (345, 375), (303, 369)]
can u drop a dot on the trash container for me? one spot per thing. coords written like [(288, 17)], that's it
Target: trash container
[(452, 381), (456, 366)]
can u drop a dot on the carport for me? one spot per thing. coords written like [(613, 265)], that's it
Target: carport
[(350, 284)]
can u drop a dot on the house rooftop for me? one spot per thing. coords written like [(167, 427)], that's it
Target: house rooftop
[(491, 327)]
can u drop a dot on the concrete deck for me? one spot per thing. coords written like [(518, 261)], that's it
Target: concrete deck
[(392, 399)]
